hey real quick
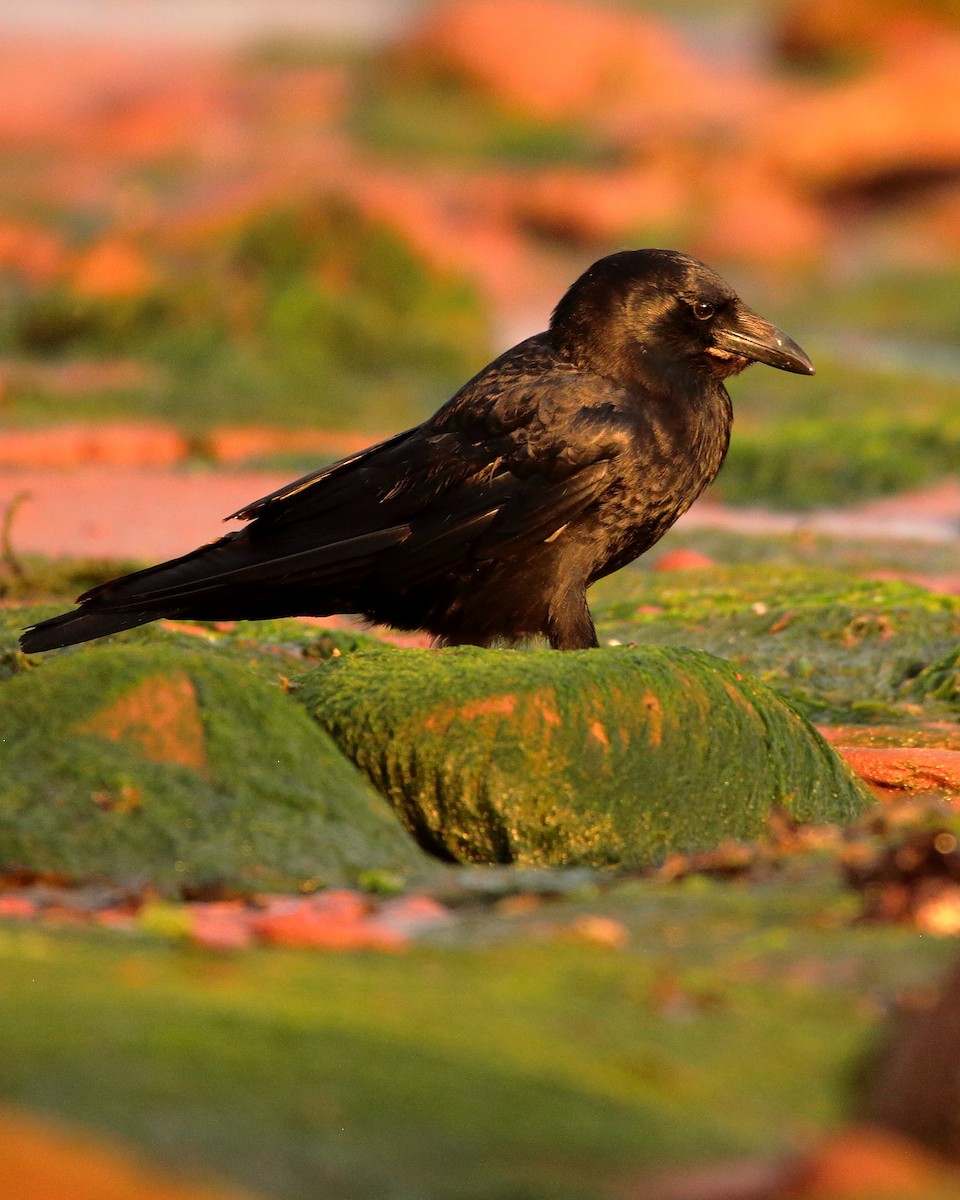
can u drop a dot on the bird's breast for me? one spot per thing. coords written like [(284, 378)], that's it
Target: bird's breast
[(674, 456)]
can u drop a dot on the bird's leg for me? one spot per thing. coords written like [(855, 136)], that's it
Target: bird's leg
[(569, 625)]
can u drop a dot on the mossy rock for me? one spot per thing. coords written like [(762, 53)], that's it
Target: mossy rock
[(275, 649), (838, 646), (601, 757), (940, 681), (179, 768)]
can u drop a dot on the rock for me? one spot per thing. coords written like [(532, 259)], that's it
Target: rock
[(901, 118), (754, 213), (113, 268), (115, 444), (822, 30), (684, 559), (31, 251), (156, 765), (244, 443), (599, 757), (556, 60), (603, 205), (906, 768), (48, 1159)]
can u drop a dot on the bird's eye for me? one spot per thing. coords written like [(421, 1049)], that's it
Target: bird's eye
[(703, 311)]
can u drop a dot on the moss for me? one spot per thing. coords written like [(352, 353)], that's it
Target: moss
[(599, 757), (413, 116), (898, 429), (902, 303), (864, 556), (276, 649), (839, 646), (301, 314), (155, 764), (42, 578), (941, 680), (810, 463), (525, 1064)]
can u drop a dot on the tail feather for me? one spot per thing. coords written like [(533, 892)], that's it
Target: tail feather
[(216, 582), (78, 626)]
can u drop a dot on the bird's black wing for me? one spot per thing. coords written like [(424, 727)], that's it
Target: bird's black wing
[(511, 459)]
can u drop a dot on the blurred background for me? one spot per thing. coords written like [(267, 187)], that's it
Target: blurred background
[(257, 233)]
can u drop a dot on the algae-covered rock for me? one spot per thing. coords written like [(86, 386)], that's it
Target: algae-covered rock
[(598, 756), (176, 767), (838, 646), (940, 681)]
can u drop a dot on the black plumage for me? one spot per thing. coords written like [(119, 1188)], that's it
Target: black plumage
[(561, 461)]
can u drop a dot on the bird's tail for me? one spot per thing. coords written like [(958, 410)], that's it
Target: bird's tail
[(129, 601), (230, 579), (78, 626)]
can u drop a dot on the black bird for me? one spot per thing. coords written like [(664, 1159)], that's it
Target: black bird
[(563, 460)]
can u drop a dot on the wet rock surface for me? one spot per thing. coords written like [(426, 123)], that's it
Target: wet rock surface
[(156, 765), (609, 757)]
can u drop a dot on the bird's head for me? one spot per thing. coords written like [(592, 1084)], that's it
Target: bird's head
[(667, 322)]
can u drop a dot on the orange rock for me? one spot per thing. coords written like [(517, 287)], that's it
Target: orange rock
[(553, 59), (682, 560), (434, 214), (910, 769), (36, 253), (118, 445), (309, 96), (241, 443), (17, 906), (591, 206), (822, 28), (861, 1163), (52, 83), (341, 902), (305, 924), (43, 1161), (221, 925), (160, 717), (411, 914), (751, 213), (902, 116), (113, 268), (192, 109)]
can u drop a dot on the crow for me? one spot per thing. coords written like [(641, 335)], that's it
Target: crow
[(564, 459)]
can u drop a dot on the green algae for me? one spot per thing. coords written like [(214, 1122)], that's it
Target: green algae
[(32, 578), (412, 116), (940, 681), (538, 1066), (294, 313), (275, 649), (161, 765), (868, 557), (599, 757), (838, 646), (897, 429)]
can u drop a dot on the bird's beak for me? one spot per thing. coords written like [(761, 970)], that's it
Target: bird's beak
[(755, 339)]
